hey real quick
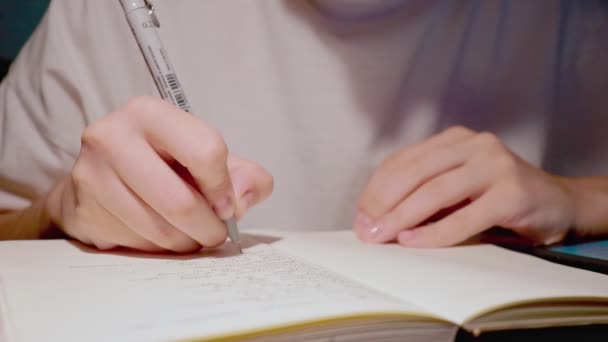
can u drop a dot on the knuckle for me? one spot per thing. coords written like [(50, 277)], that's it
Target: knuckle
[(217, 189), (458, 130), (215, 150), (82, 179), (507, 164), (80, 173), (169, 238), (215, 237), (140, 104), (490, 140), (102, 135), (94, 135), (181, 204)]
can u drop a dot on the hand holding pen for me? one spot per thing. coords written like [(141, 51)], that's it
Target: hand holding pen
[(144, 23), (151, 176)]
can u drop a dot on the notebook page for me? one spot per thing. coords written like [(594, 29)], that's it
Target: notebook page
[(5, 330), (80, 295), (455, 283)]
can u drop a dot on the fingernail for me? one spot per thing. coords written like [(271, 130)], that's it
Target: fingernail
[(223, 208), (368, 229)]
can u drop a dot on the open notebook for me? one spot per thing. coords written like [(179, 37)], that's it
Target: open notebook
[(296, 286)]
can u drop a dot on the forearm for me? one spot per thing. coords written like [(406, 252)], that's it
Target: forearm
[(590, 197), (32, 222)]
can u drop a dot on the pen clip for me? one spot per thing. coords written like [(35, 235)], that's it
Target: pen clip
[(152, 13)]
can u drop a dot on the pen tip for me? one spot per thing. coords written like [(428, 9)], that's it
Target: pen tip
[(240, 248)]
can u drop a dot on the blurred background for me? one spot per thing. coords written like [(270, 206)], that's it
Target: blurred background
[(18, 18)]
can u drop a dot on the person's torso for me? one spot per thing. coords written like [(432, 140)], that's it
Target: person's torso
[(320, 94)]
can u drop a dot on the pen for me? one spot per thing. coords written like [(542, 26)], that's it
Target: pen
[(144, 24)]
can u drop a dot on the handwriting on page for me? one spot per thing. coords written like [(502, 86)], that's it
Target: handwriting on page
[(260, 282)]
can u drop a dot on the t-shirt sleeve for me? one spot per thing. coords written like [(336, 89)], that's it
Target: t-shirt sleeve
[(31, 155), (78, 65)]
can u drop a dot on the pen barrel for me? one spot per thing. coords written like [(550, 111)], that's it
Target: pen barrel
[(129, 5), (144, 28), (144, 25)]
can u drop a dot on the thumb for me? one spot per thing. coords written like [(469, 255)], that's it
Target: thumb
[(252, 183)]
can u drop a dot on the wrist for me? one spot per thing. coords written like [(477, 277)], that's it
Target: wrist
[(32, 222), (53, 210), (589, 198)]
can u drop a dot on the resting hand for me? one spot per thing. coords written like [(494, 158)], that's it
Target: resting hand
[(475, 181)]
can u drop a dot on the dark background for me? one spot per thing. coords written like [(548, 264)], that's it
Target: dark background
[(18, 18)]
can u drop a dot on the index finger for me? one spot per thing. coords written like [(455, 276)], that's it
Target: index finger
[(195, 145), (455, 228), (404, 170)]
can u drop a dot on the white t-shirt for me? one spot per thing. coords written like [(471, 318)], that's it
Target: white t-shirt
[(319, 92)]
